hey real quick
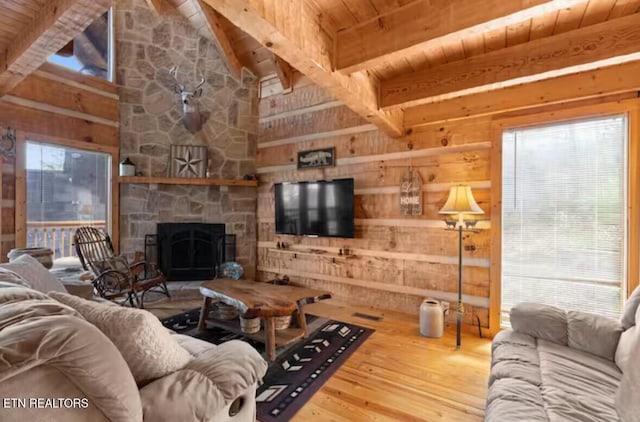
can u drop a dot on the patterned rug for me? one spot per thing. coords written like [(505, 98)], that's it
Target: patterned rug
[(300, 369)]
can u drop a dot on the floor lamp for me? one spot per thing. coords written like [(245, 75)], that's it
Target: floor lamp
[(460, 202)]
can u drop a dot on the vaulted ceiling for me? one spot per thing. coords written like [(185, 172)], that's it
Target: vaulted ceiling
[(398, 63), (401, 63), (31, 30)]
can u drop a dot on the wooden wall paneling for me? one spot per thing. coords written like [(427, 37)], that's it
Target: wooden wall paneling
[(454, 167), (329, 119), (21, 191), (305, 94), (37, 121), (372, 145), (633, 264), (495, 286), (79, 80), (48, 91)]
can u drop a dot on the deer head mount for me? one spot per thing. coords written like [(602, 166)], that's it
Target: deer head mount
[(191, 115)]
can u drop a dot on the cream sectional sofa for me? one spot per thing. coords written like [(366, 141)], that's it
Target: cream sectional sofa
[(566, 366), (56, 365)]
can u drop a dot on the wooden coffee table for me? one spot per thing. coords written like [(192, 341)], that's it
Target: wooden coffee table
[(267, 301)]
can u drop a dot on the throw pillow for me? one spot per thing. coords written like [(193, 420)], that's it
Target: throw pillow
[(625, 348), (629, 309), (595, 334), (36, 276), (144, 343)]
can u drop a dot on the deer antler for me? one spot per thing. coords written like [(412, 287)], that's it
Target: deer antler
[(174, 74)]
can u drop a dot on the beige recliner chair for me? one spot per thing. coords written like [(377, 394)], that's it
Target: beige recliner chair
[(54, 365)]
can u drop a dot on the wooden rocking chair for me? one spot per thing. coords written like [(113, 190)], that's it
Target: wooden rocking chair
[(115, 277)]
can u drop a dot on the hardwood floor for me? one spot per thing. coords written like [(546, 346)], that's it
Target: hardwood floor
[(396, 375)]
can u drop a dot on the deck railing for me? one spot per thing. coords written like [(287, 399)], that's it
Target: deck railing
[(57, 235)]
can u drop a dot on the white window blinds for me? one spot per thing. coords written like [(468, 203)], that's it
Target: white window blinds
[(564, 215)]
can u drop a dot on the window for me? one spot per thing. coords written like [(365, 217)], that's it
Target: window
[(564, 225), (91, 52), (66, 188)]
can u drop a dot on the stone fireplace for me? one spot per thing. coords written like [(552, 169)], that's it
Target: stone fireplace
[(151, 121)]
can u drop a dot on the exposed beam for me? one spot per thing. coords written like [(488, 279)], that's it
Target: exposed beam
[(57, 23), (285, 73), (157, 6), (212, 18), (421, 25), (588, 48), (294, 31), (579, 86)]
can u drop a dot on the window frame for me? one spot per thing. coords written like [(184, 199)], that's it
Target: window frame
[(630, 108), (113, 218)]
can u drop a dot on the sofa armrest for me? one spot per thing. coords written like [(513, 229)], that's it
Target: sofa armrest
[(540, 321), (216, 384), (595, 334)]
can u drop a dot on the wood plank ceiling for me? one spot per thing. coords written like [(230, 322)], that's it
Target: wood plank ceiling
[(398, 63), (31, 30)]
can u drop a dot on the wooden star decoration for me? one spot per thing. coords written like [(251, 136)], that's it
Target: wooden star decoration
[(187, 164)]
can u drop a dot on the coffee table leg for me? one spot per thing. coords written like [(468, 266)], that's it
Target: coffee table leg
[(270, 338), (302, 319), (204, 313)]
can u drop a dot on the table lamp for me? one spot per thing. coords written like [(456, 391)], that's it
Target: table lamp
[(460, 202)]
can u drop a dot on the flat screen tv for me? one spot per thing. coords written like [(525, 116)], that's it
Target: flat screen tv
[(319, 208)]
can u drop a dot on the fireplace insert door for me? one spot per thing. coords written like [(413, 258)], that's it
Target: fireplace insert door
[(190, 251)]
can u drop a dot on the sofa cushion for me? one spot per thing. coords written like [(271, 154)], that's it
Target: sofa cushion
[(58, 348), (626, 398), (577, 386), (147, 347), (8, 276), (593, 333), (625, 347), (540, 321), (514, 400), (37, 276), (628, 317)]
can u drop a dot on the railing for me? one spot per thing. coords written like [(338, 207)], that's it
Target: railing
[(57, 235)]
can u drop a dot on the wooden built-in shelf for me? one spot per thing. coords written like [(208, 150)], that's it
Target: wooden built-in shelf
[(187, 181), (283, 337), (313, 252)]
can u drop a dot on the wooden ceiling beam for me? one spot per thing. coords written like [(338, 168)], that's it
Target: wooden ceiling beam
[(295, 31), (588, 48), (212, 19), (284, 72), (157, 6), (420, 25), (579, 86), (57, 23)]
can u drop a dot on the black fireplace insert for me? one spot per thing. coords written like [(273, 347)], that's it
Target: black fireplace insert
[(191, 251)]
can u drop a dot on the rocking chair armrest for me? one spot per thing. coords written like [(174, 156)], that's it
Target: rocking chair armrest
[(137, 267), (100, 277)]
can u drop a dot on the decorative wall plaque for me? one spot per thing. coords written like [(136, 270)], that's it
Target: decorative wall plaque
[(316, 158), (8, 143), (411, 193), (188, 161)]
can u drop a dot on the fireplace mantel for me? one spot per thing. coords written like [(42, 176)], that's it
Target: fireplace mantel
[(187, 181)]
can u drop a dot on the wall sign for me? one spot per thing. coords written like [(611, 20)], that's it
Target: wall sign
[(411, 193), (316, 158)]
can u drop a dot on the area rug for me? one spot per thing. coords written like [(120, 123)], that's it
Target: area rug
[(298, 370)]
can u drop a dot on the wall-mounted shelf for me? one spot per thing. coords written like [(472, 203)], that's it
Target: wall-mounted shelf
[(186, 181), (313, 252)]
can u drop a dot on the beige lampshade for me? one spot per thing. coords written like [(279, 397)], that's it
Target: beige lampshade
[(461, 201)]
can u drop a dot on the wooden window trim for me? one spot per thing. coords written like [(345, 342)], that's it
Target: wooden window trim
[(21, 182), (629, 107)]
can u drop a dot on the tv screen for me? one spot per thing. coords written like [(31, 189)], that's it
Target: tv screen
[(322, 208)]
